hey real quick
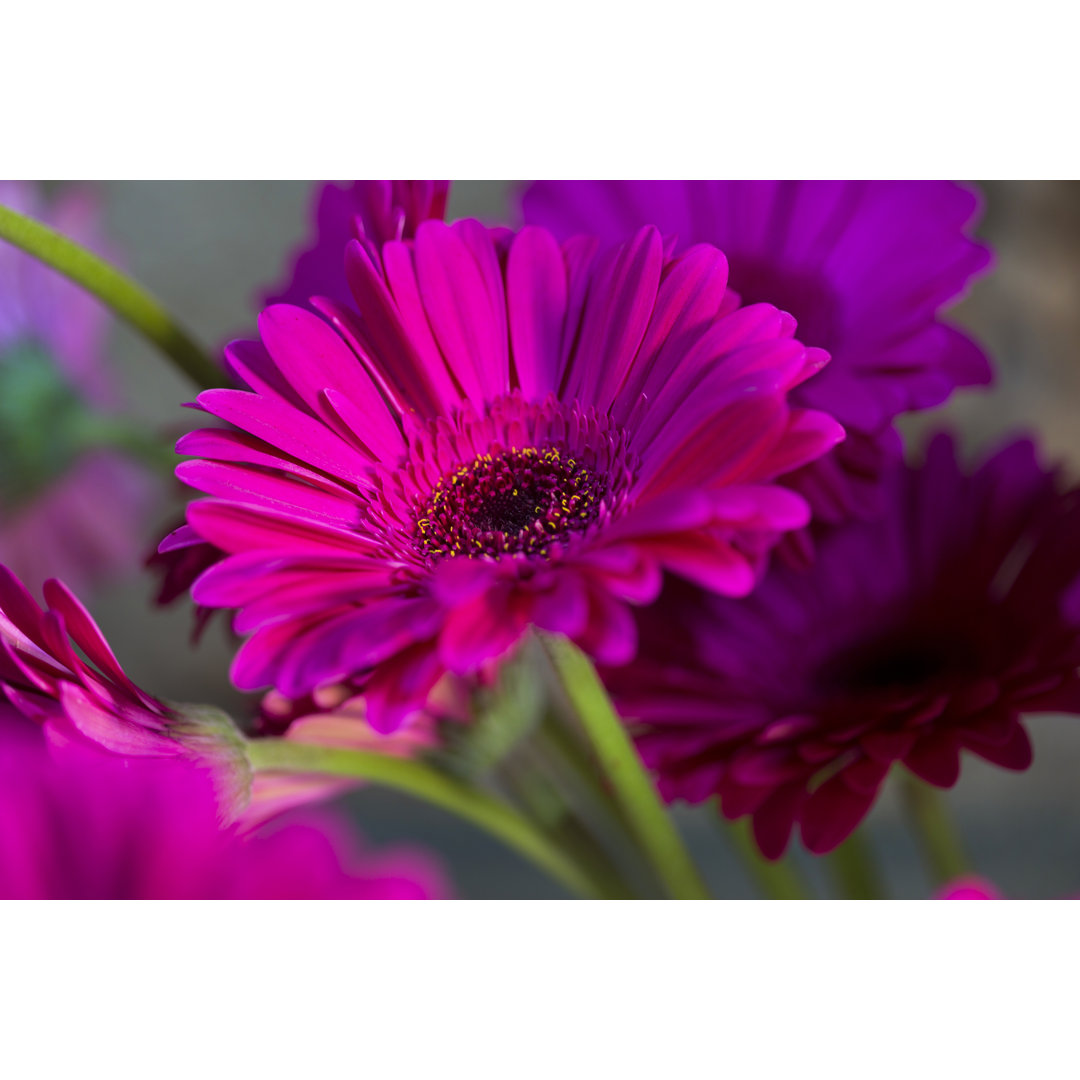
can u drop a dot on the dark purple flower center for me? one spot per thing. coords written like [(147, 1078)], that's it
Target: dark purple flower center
[(517, 501), (908, 660)]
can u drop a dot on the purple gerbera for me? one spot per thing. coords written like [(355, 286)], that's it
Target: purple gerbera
[(914, 637), (68, 504), (864, 267), (503, 432), (372, 212), (80, 825)]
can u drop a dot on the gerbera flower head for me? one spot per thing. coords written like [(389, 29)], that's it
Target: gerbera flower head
[(502, 432), (78, 824), (68, 504), (926, 633), (863, 266)]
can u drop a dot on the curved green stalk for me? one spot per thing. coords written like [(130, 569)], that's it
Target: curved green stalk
[(420, 780), (854, 871), (130, 301), (930, 819), (620, 763)]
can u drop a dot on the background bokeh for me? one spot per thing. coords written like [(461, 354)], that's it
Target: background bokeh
[(207, 248)]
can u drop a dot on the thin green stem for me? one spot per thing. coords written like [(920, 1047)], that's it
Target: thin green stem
[(777, 880), (619, 761), (593, 824), (420, 780), (130, 301), (938, 839), (854, 870)]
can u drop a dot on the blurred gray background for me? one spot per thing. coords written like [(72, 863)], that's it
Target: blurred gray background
[(206, 248)]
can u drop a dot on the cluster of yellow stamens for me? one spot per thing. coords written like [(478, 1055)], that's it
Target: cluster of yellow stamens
[(516, 501)]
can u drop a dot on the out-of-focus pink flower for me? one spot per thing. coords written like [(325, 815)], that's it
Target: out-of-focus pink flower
[(69, 506), (969, 888), (79, 824), (929, 632), (864, 266), (503, 432)]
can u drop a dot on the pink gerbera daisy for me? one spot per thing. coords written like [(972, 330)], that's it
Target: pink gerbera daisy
[(77, 824), (864, 267), (913, 638), (503, 433)]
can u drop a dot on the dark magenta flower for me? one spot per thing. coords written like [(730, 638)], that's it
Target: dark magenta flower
[(864, 266), (913, 638), (81, 825), (502, 432), (69, 505)]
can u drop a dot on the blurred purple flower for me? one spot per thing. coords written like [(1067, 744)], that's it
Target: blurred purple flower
[(864, 266), (912, 638), (68, 506)]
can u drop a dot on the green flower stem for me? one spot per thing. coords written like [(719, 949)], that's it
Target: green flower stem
[(420, 780), (619, 761), (854, 870), (930, 820), (777, 880), (595, 824), (116, 290)]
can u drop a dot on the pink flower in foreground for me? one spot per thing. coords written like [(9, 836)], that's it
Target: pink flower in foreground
[(864, 266), (79, 824), (68, 505), (504, 432), (929, 632)]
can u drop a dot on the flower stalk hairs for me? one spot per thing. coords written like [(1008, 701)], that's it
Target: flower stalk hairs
[(495, 515)]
